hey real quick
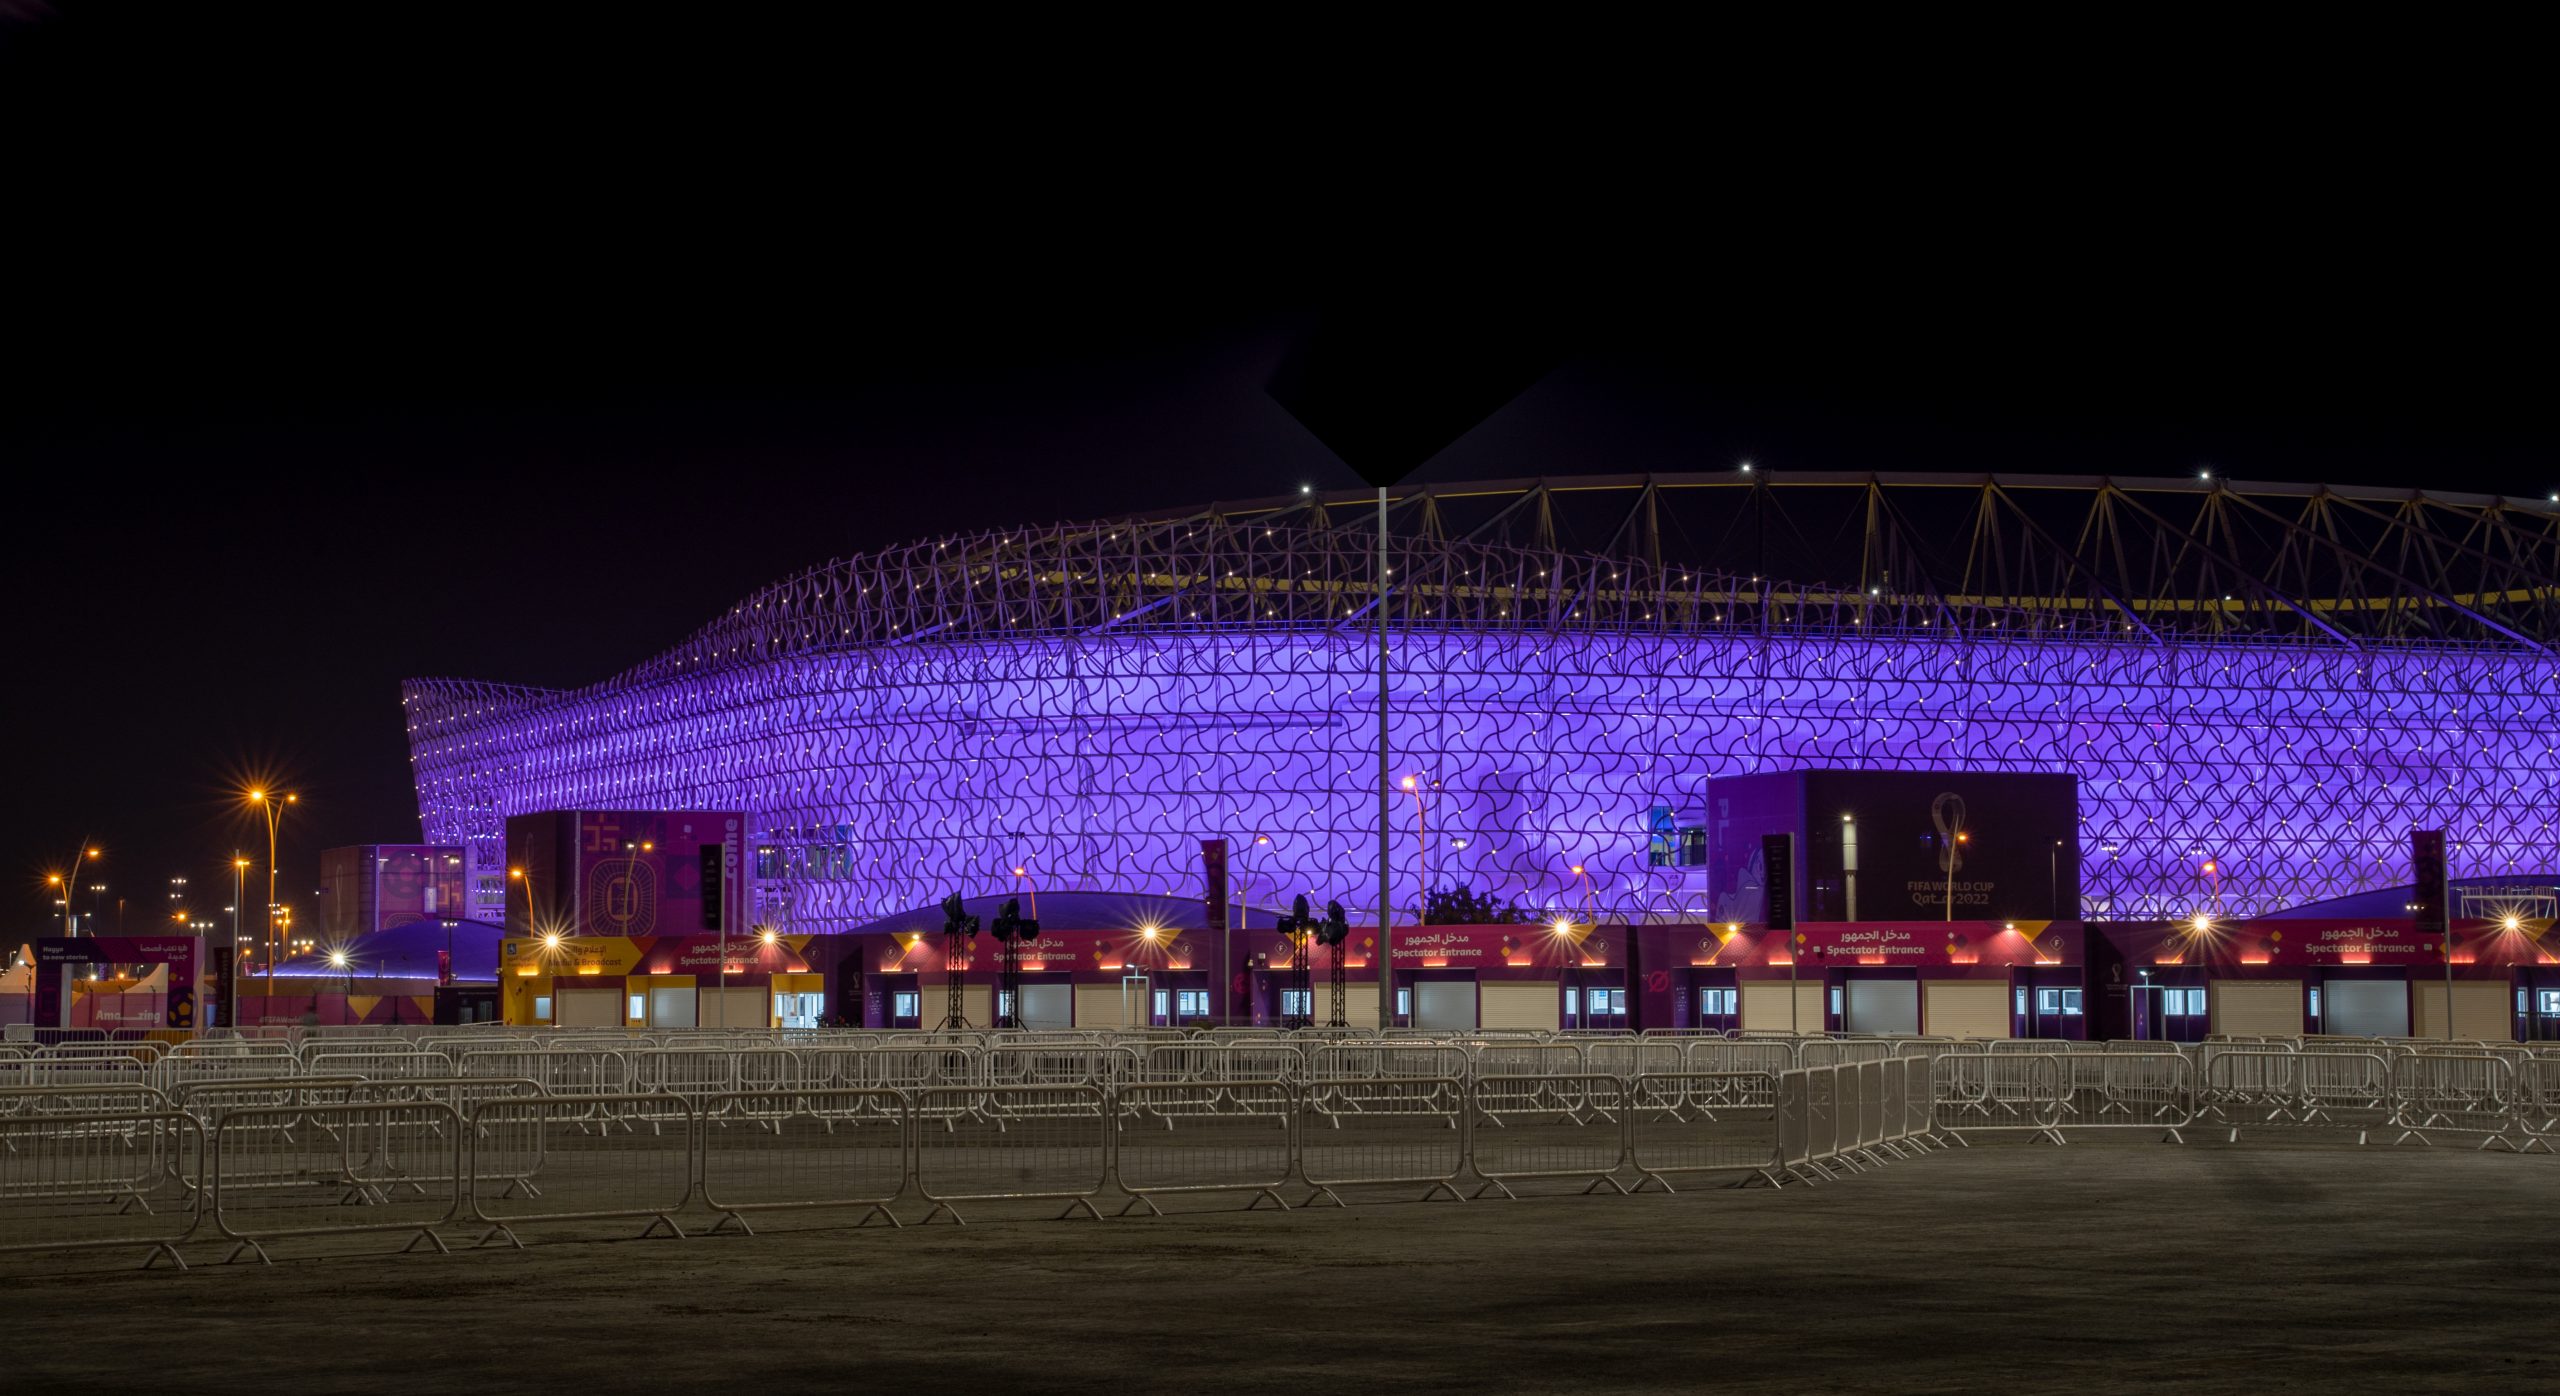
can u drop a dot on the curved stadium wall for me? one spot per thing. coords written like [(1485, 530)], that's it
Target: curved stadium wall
[(1089, 701)]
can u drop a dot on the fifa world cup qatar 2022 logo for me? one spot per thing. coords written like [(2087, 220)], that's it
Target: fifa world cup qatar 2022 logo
[(1947, 812)]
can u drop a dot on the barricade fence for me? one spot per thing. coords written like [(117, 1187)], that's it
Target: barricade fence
[(416, 1141)]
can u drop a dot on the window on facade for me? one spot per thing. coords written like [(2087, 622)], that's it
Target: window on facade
[(1404, 1003), (2021, 1009), (1572, 1002), (2195, 1003), (2550, 1002), (1836, 1006), (1298, 1003), (1162, 999), (906, 1005), (2315, 1003), (1004, 1003), (1193, 1003), (2071, 1003), (542, 1008), (2048, 1001), (1716, 1003)]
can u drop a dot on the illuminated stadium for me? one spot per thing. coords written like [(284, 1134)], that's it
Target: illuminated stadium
[(2272, 682)]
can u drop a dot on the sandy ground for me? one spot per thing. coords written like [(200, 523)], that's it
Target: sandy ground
[(2110, 1266)]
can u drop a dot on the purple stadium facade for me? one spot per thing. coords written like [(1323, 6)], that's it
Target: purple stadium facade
[(2261, 690)]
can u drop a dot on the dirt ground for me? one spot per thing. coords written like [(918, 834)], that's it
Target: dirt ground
[(2095, 1267)]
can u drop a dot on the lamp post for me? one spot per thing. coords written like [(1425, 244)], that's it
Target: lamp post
[(1421, 849), (1386, 797), (239, 893), (273, 807), (1031, 891)]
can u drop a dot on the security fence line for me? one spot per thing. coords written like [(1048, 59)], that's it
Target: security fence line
[(707, 1131)]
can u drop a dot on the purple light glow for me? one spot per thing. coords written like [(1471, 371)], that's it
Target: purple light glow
[(925, 721)]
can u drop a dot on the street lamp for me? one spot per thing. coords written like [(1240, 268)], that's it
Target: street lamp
[(273, 807), (1032, 891), (1421, 850)]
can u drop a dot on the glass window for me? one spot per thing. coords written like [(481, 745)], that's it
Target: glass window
[(2048, 1001), (2021, 1009), (1836, 1009), (2070, 1003), (905, 1005), (1573, 1001), (1723, 1000), (1163, 997), (639, 1007), (2195, 1003), (2550, 1003), (1404, 1003), (1297, 1003), (2315, 1003), (2173, 1003), (1004, 1003), (1194, 1003), (542, 1008)]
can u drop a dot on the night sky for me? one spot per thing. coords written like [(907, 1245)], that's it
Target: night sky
[(339, 355)]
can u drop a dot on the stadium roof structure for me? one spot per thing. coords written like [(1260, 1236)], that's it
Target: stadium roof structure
[(2154, 559)]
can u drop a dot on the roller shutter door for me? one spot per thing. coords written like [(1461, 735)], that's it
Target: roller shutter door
[(671, 1005), (2480, 1011), (1890, 1007), (746, 1008), (2256, 1007), (1764, 1007), (1098, 1006), (1445, 1005), (2366, 1007), (1050, 1007), (589, 1008), (1965, 1008), (1513, 1004)]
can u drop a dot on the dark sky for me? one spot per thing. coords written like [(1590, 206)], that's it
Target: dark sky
[(337, 352)]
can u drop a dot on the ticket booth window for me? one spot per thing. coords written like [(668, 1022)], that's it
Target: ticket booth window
[(1300, 1003), (542, 1008), (905, 1007)]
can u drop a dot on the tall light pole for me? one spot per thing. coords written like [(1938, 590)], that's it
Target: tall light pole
[(1421, 850), (239, 894), (1030, 889), (67, 882), (273, 807), (1386, 799)]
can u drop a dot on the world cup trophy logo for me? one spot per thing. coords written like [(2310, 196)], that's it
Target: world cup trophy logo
[(1947, 812)]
